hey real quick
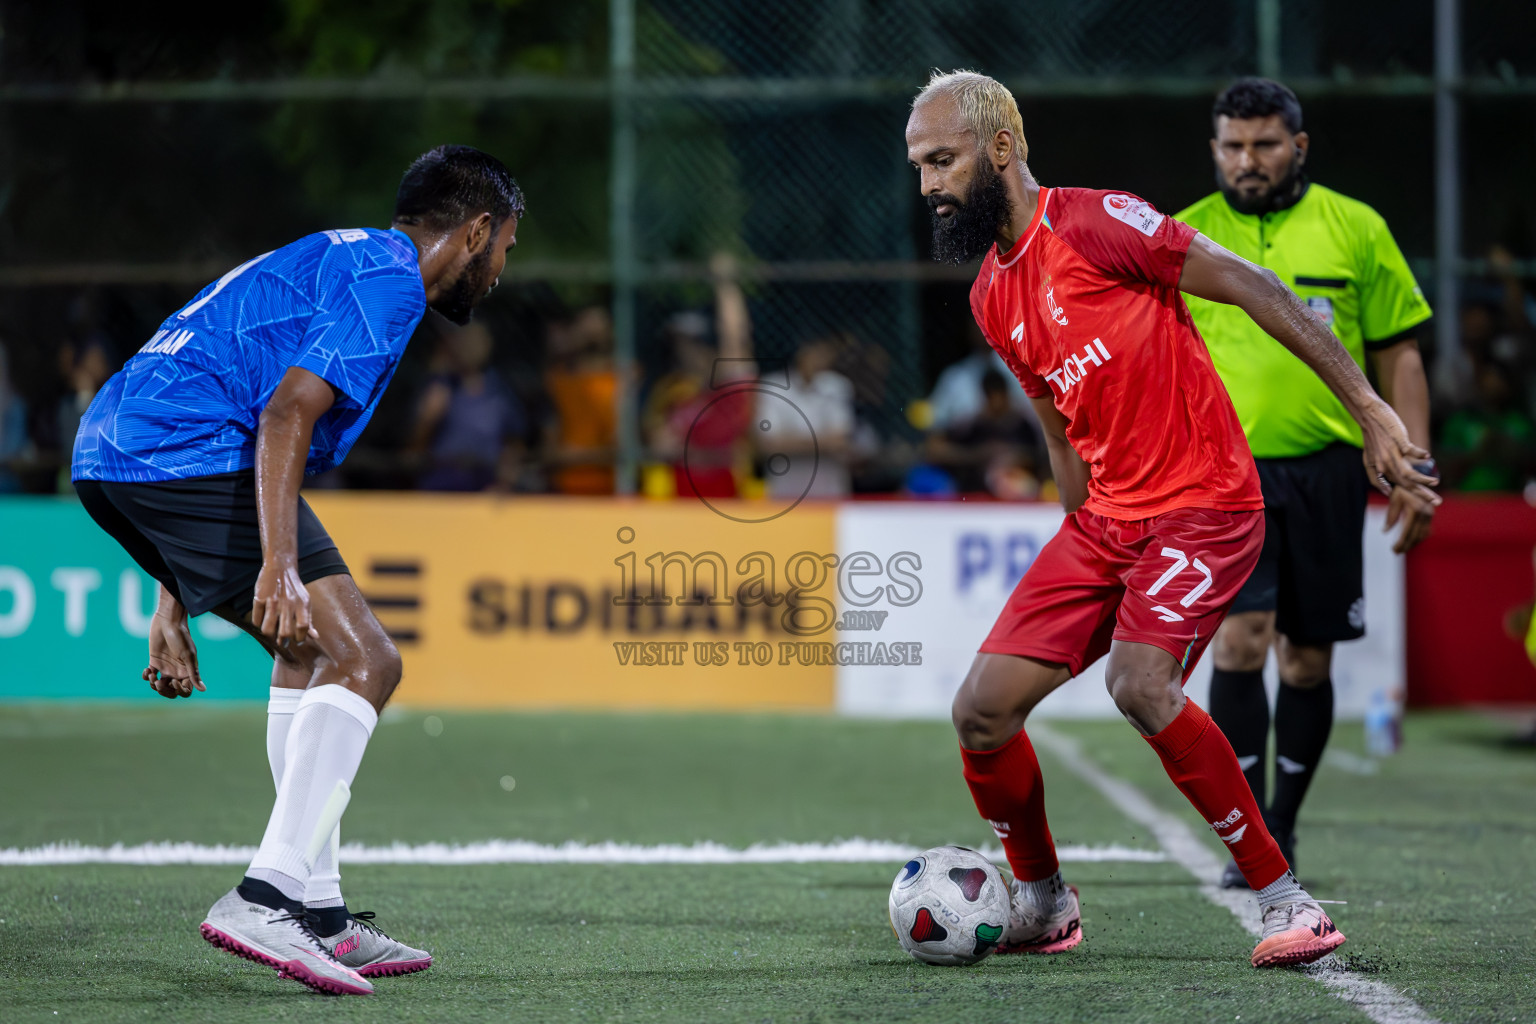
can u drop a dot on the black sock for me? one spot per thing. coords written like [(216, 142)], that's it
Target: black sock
[(1303, 719), (1241, 711), (328, 921), (267, 895)]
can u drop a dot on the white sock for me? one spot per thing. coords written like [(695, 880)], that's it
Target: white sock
[(324, 886), (326, 740), (1047, 893), (281, 704), (1284, 889)]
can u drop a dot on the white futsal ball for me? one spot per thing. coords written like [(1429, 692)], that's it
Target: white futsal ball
[(949, 906)]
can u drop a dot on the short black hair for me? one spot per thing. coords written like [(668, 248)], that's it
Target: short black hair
[(1258, 97), (993, 382), (446, 186)]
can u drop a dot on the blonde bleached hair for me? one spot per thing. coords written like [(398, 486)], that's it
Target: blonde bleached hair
[(985, 103)]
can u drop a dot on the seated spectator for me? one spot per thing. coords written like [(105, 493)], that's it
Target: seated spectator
[(1489, 446), (995, 450), (876, 462), (582, 385), (693, 408), (803, 434), (86, 368), (14, 443), (1013, 475), (1495, 328), (469, 426), (957, 394)]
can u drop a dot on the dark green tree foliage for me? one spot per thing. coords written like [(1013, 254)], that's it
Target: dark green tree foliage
[(347, 155)]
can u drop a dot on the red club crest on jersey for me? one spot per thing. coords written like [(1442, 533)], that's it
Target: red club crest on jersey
[(1057, 313)]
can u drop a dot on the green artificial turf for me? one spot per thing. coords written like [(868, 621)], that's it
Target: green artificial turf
[(1441, 836)]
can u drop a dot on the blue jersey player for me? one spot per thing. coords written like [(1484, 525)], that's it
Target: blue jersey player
[(191, 457)]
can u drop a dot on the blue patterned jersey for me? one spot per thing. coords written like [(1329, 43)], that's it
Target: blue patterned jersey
[(341, 304)]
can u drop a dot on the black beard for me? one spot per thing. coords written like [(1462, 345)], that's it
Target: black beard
[(459, 299), (1283, 195), (969, 232)]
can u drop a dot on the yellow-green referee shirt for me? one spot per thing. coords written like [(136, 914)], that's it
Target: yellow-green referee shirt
[(1337, 254)]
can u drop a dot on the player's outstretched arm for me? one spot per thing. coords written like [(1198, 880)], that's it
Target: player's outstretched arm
[(1213, 273), (1067, 467), (281, 606), (172, 670)]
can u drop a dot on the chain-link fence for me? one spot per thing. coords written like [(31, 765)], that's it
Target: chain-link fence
[(654, 135)]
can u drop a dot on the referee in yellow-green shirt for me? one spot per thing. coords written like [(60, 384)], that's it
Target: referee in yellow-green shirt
[(1306, 594)]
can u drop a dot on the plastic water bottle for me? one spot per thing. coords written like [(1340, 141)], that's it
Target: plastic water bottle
[(1383, 725)]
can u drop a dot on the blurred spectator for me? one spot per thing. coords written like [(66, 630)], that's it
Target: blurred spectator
[(808, 453), (14, 443), (1488, 446), (957, 395), (693, 408), (876, 463), (85, 368), (582, 385), (469, 426), (1495, 327), (930, 483), (994, 450)]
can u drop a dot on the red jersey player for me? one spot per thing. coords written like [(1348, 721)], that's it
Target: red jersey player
[(1079, 292)]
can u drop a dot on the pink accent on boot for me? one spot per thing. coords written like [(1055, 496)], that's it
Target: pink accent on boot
[(294, 969)]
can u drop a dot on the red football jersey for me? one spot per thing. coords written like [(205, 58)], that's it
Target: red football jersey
[(1085, 308)]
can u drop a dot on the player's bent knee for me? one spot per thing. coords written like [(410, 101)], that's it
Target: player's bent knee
[(1242, 643), (1305, 678), (1239, 654), (980, 728), (385, 668), (981, 733), (372, 673), (1136, 693), (1304, 667)]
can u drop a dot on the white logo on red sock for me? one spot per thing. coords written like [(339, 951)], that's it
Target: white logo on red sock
[(1228, 821)]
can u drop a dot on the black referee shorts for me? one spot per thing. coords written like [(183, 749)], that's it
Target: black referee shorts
[(1312, 567), (200, 538)]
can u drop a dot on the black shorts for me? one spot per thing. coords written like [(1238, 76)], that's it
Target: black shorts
[(199, 537), (1311, 571)]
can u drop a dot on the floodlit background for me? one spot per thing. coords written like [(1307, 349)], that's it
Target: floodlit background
[(711, 179), (714, 179)]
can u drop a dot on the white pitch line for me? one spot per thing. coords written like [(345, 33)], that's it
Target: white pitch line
[(519, 851), (1377, 1000)]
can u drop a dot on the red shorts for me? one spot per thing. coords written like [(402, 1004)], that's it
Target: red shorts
[(1166, 581)]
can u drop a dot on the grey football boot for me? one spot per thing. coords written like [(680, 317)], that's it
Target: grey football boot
[(368, 951), (280, 940)]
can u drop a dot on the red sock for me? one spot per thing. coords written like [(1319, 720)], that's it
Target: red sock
[(1200, 761), (1009, 793)]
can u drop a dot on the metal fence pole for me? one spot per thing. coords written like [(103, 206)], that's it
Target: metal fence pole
[(1447, 186), (621, 235), (1266, 19)]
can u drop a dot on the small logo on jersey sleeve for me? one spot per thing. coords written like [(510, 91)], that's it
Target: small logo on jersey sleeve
[(346, 235), (1135, 212), (1322, 308)]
